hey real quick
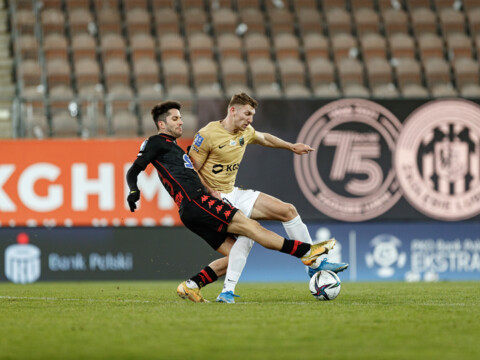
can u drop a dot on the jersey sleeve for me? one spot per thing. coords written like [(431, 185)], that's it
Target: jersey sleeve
[(149, 150), (200, 148), (250, 134)]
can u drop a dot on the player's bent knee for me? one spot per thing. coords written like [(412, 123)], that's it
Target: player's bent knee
[(289, 212)]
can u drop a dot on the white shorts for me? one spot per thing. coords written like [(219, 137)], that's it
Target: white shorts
[(242, 199)]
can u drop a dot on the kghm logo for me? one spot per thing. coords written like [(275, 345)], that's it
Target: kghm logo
[(350, 176), (438, 159)]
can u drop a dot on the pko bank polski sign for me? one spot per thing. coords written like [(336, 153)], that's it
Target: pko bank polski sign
[(383, 252)]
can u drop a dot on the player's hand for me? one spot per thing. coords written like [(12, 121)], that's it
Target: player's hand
[(132, 198), (301, 149)]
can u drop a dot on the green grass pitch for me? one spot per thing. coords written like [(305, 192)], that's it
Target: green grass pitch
[(147, 320)]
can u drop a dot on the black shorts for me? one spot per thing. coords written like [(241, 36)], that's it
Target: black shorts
[(208, 217)]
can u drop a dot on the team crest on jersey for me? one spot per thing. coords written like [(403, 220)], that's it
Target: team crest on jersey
[(241, 141), (198, 140)]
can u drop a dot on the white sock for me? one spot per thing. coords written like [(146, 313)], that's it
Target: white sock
[(191, 284), (236, 262), (297, 230)]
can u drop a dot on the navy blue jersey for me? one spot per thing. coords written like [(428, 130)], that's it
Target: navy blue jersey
[(174, 167)]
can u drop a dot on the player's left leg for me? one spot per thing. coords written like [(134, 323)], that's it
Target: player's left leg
[(190, 289), (270, 208)]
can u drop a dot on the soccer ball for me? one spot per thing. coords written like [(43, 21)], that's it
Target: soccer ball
[(325, 285)]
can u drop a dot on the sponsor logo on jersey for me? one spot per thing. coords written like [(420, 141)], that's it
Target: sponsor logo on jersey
[(218, 168), (350, 177), (438, 159)]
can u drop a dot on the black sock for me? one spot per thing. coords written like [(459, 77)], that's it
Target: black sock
[(295, 248), (204, 277)]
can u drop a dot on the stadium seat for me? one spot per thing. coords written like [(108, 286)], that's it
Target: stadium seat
[(292, 72), (113, 46), (297, 91), (444, 90), (166, 21), (228, 46), (309, 5), (134, 4), (327, 91), (205, 72), (309, 21), (373, 46), (184, 94), (344, 46), (356, 90), (83, 46), (254, 19), (194, 20), (138, 21), (459, 45), (430, 46), (63, 123), (451, 21), (385, 91), (408, 72), (281, 21), (263, 72), (117, 72), (437, 72), (146, 72), (286, 46), (401, 46), (27, 46), (257, 46), (172, 46), (200, 46), (55, 46), (208, 91), (224, 20), (58, 72), (470, 91), (236, 88), (416, 4), (53, 21), (473, 16), (314, 46), (25, 22), (109, 21), (395, 21), (142, 46), (350, 71), (338, 21), (234, 72), (423, 21), (87, 73), (248, 4), (79, 21), (362, 4), (333, 4), (162, 4), (414, 91), (175, 72), (148, 97), (268, 91), (366, 21), (321, 72), (466, 72), (379, 72)]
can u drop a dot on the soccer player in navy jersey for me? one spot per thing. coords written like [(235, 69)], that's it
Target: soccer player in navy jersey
[(211, 218)]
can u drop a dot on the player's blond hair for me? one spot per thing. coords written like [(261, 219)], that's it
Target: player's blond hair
[(243, 99)]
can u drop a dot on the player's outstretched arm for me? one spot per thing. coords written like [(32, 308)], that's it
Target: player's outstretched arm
[(134, 194), (272, 141)]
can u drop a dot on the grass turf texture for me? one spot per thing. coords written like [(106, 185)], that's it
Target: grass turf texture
[(146, 320)]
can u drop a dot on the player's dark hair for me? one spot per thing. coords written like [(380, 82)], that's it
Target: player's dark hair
[(243, 99), (161, 111)]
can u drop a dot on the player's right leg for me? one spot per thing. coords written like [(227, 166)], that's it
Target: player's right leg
[(242, 225)]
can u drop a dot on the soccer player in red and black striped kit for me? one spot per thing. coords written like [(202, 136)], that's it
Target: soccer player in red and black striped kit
[(208, 217)]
